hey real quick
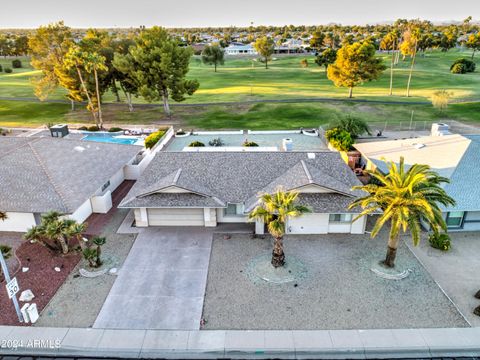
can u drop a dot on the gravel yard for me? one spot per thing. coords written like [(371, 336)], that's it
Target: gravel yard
[(79, 300), (339, 291)]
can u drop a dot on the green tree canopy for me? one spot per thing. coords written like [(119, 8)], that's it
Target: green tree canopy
[(213, 55), (265, 47), (158, 67), (473, 42), (405, 198), (48, 48), (355, 64), (326, 58)]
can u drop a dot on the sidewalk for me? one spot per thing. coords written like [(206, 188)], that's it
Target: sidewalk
[(326, 344)]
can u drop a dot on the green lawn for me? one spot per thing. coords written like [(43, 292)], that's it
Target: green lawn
[(238, 80)]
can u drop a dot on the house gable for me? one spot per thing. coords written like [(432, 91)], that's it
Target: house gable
[(313, 189)]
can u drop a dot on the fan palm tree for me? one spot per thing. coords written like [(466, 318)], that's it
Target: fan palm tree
[(406, 198), (274, 210)]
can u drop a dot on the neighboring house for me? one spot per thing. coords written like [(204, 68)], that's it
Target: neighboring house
[(240, 49), (208, 188), (456, 157), (74, 177)]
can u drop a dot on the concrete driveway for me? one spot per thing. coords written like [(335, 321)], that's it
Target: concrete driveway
[(162, 283), (456, 271)]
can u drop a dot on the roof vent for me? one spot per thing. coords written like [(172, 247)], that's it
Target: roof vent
[(311, 155), (419, 146), (79, 148)]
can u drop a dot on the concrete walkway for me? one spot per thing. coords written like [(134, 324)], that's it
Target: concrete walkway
[(162, 282), (260, 344)]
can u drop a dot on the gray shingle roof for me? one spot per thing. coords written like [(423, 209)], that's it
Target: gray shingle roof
[(465, 179), (238, 177), (39, 174)]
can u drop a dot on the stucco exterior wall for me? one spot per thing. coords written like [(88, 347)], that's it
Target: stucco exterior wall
[(18, 222)]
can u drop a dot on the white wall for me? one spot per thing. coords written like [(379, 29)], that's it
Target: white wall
[(221, 218), (17, 222), (358, 227), (210, 217), (141, 218), (102, 203), (83, 212)]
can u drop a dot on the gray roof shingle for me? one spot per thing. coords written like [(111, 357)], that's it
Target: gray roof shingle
[(238, 177), (39, 174)]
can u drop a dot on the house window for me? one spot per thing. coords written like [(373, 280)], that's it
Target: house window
[(233, 210), (340, 218), (455, 219)]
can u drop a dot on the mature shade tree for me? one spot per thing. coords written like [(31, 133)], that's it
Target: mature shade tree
[(326, 58), (213, 55), (274, 210), (158, 66), (473, 42), (331, 40), (449, 38), (127, 84), (265, 47), (87, 65), (355, 64), (48, 48), (20, 47), (405, 198), (316, 42)]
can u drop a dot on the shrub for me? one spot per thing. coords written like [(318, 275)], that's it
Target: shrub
[(353, 125), (249, 143), (477, 295), (196, 144), (16, 64), (339, 139), (83, 128), (180, 132), (93, 128), (216, 142), (1, 68), (440, 241), (304, 63), (462, 66), (8, 70), (476, 311), (115, 129), (153, 138)]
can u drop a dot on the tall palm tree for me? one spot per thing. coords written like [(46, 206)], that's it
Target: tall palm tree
[(406, 198), (274, 210)]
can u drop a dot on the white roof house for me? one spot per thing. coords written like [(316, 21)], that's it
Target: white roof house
[(236, 49), (455, 157)]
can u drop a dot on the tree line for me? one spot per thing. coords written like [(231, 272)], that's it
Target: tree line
[(151, 65)]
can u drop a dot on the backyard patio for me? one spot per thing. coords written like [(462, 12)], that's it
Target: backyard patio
[(339, 290)]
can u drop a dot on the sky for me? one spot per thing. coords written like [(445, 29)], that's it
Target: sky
[(202, 13)]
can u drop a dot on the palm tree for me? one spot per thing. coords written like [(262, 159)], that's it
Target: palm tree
[(406, 198), (3, 215), (274, 210)]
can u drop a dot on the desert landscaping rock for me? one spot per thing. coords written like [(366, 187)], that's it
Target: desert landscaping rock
[(340, 291)]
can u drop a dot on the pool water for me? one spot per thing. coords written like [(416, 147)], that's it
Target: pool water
[(107, 138), (300, 142)]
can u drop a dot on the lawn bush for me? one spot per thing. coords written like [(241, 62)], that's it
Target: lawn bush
[(93, 128), (476, 311), (216, 142), (304, 63), (1, 68), (339, 139), (353, 125), (249, 143), (16, 64), (8, 70), (462, 66), (196, 144), (153, 138), (440, 241), (83, 128), (115, 129)]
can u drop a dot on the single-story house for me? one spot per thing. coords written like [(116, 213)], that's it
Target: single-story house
[(455, 157), (240, 49), (209, 188), (74, 177)]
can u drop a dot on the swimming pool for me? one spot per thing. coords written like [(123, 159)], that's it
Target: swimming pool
[(300, 142), (111, 138)]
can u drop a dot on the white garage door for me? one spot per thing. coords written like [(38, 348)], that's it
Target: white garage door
[(175, 217), (309, 224)]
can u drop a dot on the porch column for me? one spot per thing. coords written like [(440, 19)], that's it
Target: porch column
[(259, 227)]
